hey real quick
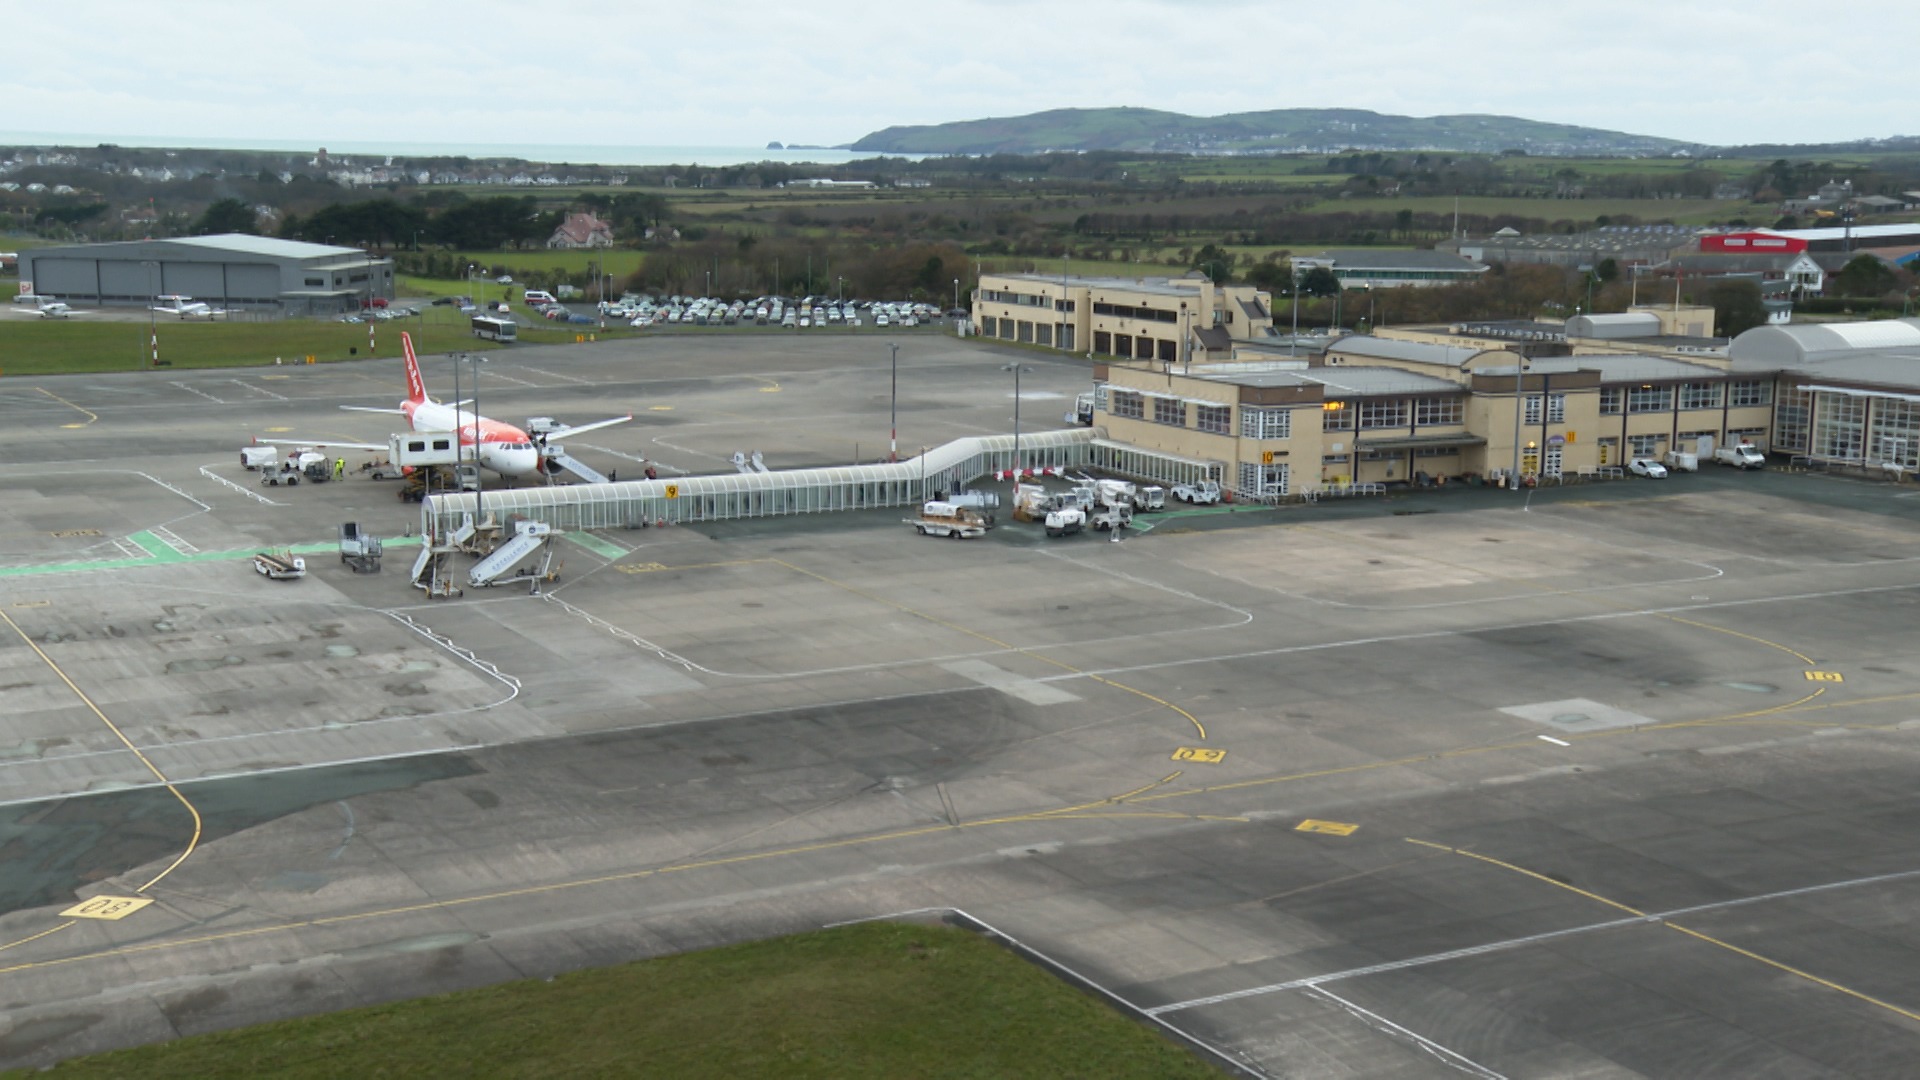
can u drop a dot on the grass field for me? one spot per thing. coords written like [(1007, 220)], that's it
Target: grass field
[(31, 346), (874, 1000)]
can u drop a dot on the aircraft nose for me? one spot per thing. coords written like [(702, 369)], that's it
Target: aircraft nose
[(522, 462)]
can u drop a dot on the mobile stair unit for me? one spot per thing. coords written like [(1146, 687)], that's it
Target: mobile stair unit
[(527, 555)]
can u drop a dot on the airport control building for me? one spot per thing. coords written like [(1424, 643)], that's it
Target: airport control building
[(232, 271)]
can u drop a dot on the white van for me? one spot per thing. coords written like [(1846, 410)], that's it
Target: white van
[(539, 297), (1681, 461)]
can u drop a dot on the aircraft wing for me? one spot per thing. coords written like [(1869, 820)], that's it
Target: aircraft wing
[(320, 444), (567, 433)]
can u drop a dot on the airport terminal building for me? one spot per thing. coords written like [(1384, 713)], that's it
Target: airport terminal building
[(232, 271)]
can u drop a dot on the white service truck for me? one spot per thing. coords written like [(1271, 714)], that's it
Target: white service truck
[(1065, 521), (946, 519), (1741, 456), (1204, 493)]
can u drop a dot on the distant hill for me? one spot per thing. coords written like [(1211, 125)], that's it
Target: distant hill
[(1273, 132)]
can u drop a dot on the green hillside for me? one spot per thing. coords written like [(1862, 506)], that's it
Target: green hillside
[(1274, 131)]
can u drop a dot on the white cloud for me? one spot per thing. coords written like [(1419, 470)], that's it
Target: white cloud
[(489, 72)]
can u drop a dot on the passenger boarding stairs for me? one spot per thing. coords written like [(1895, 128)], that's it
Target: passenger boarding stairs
[(526, 555), (557, 456)]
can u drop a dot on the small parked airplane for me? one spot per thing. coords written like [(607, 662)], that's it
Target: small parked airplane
[(499, 447), (44, 306), (186, 307)]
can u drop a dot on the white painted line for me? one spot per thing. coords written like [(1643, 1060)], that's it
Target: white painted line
[(248, 492), (613, 453), (202, 393), (1447, 1057), (556, 375), (172, 539), (1521, 942), (1554, 741), (256, 389), (175, 490)]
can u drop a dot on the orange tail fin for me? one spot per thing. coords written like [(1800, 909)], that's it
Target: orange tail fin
[(416, 386)]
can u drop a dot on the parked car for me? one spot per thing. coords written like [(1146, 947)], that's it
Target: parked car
[(1648, 468)]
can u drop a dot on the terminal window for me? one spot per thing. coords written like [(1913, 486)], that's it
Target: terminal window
[(1170, 411), (1128, 405), (1699, 395), (1214, 418), (1646, 399)]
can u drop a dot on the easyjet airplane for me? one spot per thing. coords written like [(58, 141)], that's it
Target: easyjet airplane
[(502, 448)]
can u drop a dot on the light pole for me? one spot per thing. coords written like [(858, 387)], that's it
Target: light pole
[(459, 442), (1016, 369), (1293, 272), (1519, 403), (709, 291), (893, 407), (956, 294), (153, 327)]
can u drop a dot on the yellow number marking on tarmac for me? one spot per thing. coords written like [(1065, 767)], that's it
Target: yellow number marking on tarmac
[(30, 603), (1201, 754), (106, 908), (277, 430), (1330, 828), (640, 568), (659, 408), (1825, 676)]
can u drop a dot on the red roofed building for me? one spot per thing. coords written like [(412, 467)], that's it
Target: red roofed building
[(581, 230), (1751, 243)]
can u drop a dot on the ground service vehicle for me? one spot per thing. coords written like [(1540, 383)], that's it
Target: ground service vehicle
[(1204, 493), (1065, 521), (280, 565), (259, 457), (1743, 456), (946, 519), (283, 472), (1681, 461)]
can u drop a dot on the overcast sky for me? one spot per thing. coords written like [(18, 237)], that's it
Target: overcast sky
[(825, 72)]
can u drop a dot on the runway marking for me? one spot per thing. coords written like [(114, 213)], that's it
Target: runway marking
[(1447, 1057), (1554, 741), (172, 539), (1695, 934), (194, 841), (1519, 942), (602, 879), (1198, 727), (49, 932), (557, 375), (248, 492), (68, 533), (258, 389), (1202, 754), (90, 417), (202, 393), (106, 908), (1825, 676), (1331, 828)]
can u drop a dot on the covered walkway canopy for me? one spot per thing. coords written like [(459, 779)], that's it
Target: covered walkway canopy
[(629, 503)]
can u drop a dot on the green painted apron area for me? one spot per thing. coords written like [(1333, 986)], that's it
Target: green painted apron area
[(159, 554)]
